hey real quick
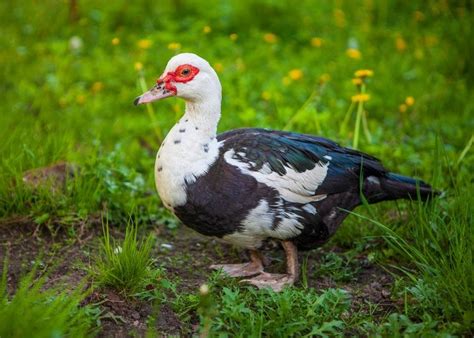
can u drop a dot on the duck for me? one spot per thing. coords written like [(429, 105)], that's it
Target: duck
[(249, 186)]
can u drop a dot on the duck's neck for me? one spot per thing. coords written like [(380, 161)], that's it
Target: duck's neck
[(188, 151), (203, 116)]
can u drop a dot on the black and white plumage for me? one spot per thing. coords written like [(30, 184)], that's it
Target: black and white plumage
[(247, 185)]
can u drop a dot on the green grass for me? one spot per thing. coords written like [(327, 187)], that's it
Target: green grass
[(399, 325), (67, 94), (253, 313), (127, 265), (225, 309), (33, 311), (438, 256), (338, 268)]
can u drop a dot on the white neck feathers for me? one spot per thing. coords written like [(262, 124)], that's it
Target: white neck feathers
[(204, 115)]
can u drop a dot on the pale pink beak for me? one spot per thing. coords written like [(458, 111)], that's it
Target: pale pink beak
[(158, 92)]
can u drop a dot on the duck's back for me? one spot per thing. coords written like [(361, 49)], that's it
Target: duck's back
[(280, 185)]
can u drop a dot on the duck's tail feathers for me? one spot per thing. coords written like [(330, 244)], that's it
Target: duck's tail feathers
[(398, 186), (393, 186)]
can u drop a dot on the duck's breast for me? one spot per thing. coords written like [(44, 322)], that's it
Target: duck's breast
[(181, 159)]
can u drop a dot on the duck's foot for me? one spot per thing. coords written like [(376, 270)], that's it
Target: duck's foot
[(278, 281), (238, 270), (274, 281), (252, 268)]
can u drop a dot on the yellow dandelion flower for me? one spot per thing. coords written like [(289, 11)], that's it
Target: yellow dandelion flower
[(270, 38), (357, 81), (400, 44), (97, 86), (80, 99), (266, 95), (138, 66), (115, 41), (218, 67), (233, 36), (410, 101), (431, 40), (207, 29), (402, 108), (286, 81), (419, 16), (295, 74), (144, 43), (316, 42), (361, 98), (174, 46), (339, 18), (240, 64), (324, 78), (176, 108), (363, 73), (353, 53)]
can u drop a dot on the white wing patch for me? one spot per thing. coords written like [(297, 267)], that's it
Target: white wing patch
[(260, 223), (288, 227), (254, 227), (309, 208), (297, 187)]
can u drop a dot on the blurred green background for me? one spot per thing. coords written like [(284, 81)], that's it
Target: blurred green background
[(71, 74), (71, 69)]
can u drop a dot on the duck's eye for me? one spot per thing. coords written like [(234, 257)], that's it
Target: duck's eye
[(185, 72)]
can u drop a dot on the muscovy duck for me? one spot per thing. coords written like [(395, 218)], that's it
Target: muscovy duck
[(248, 185)]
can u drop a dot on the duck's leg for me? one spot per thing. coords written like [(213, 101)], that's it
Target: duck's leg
[(252, 268), (278, 281)]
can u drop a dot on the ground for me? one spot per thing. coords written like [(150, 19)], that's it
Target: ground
[(186, 256)]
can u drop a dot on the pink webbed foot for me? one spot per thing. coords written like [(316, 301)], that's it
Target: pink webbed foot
[(238, 270), (274, 281), (252, 268)]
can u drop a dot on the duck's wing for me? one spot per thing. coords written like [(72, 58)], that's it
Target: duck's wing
[(303, 168)]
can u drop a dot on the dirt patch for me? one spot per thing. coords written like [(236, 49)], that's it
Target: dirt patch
[(26, 245), (185, 256), (120, 316)]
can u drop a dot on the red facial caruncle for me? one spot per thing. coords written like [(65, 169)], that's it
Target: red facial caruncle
[(182, 74)]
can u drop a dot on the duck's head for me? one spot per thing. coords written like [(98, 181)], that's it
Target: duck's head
[(187, 76)]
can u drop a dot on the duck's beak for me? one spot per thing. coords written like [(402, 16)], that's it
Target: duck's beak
[(158, 92)]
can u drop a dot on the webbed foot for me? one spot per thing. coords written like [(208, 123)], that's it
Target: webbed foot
[(252, 268), (239, 270), (274, 281)]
